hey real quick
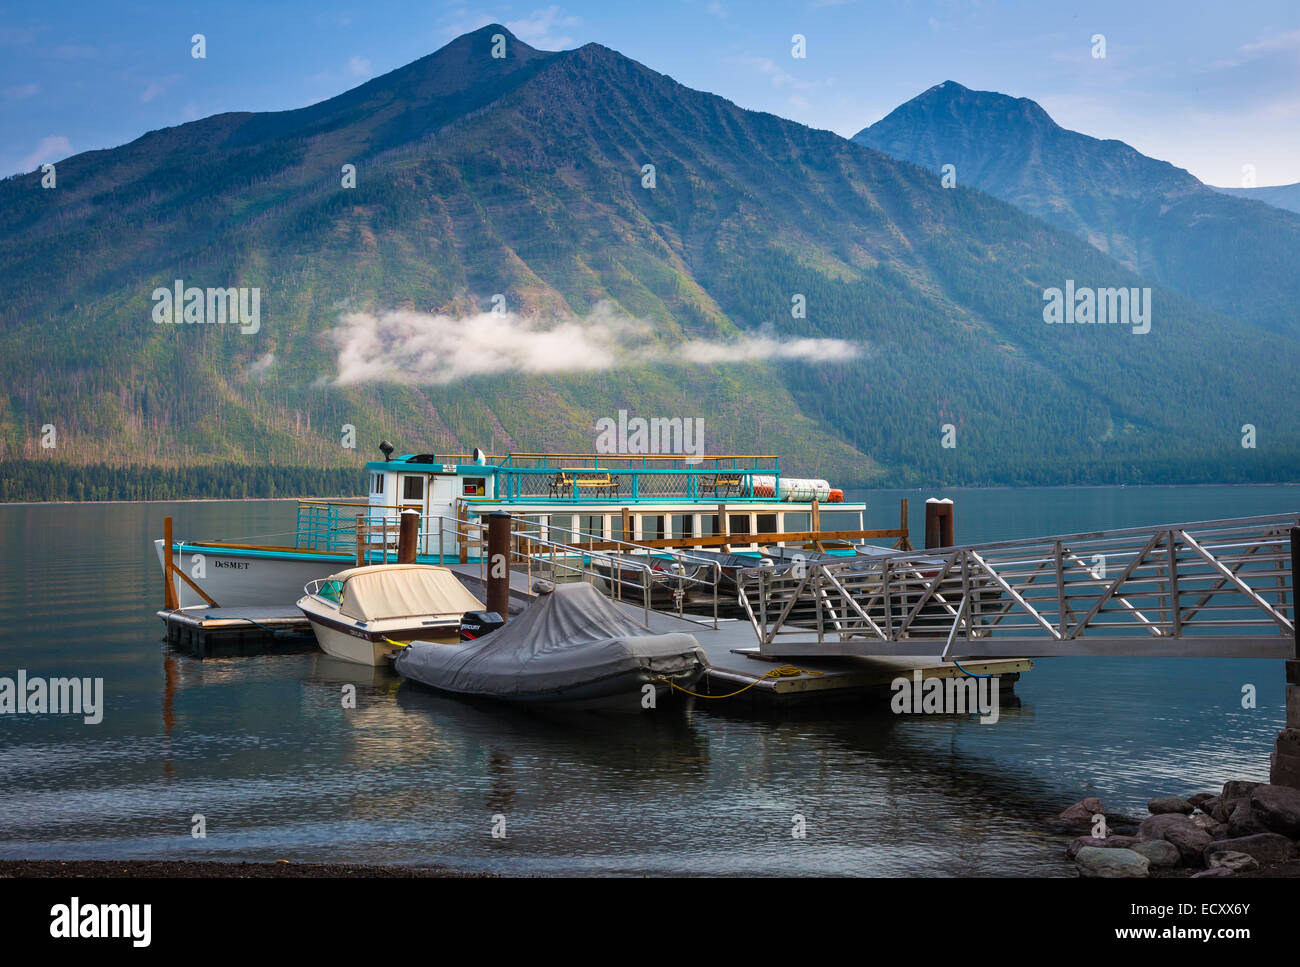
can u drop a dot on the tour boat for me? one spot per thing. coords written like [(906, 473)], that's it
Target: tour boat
[(617, 503)]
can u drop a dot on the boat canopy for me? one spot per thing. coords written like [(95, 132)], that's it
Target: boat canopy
[(383, 591)]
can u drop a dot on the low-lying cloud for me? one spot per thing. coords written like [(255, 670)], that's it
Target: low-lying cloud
[(418, 347)]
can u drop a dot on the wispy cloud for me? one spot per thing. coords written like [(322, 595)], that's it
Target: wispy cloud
[(157, 88), (545, 28), (51, 148), (20, 92), (416, 347), (359, 66)]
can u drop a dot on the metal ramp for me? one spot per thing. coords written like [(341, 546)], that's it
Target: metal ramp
[(1209, 589)]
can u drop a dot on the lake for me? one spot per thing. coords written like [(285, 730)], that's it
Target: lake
[(262, 748)]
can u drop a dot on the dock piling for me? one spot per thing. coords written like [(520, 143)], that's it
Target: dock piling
[(1285, 761), (939, 530), (408, 536), (498, 571)]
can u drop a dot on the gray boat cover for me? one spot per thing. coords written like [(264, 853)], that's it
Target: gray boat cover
[(569, 638)]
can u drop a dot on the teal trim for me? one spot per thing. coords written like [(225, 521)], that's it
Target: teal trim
[(373, 557)]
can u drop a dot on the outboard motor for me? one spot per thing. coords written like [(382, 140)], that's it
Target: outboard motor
[(475, 624)]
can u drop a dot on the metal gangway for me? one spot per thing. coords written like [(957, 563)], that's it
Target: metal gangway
[(1220, 588)]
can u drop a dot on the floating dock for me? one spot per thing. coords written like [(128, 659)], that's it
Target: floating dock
[(213, 632)]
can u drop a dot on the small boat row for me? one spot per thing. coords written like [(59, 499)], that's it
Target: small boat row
[(570, 648)]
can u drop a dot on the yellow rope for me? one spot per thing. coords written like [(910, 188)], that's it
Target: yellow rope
[(396, 644), (781, 671)]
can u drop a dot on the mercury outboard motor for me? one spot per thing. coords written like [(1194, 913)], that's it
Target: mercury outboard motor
[(475, 624)]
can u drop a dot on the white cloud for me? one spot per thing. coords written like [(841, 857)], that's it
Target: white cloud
[(416, 347), (359, 67), (21, 92), (544, 28), (51, 148)]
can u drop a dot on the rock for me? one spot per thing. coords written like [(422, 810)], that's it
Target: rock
[(1277, 808), (1200, 799), (1178, 829), (1111, 863), (1081, 813), (1206, 823), (1217, 871), (1238, 788), (1237, 862), (1221, 808), (1158, 852), (1110, 842), (1219, 832), (1243, 821), (1265, 847), (1169, 804)]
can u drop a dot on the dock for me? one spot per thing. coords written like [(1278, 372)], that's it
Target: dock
[(205, 632)]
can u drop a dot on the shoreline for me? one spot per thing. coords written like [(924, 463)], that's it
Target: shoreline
[(220, 869)]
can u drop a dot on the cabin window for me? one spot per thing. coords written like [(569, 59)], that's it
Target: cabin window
[(738, 523), (766, 524), (475, 487), (708, 525), (683, 525), (591, 526), (376, 483), (412, 488), (841, 520), (616, 527), (652, 527), (796, 523)]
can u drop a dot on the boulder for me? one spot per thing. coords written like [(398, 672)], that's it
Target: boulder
[(1237, 862), (1217, 871), (1111, 863), (1198, 801), (1178, 829), (1265, 847), (1169, 804), (1204, 821), (1277, 809), (1110, 842), (1243, 821), (1158, 852), (1081, 813), (1221, 808), (1238, 788)]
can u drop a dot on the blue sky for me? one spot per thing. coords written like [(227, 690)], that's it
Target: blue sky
[(1208, 86)]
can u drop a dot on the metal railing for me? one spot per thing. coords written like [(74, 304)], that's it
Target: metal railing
[(1213, 588)]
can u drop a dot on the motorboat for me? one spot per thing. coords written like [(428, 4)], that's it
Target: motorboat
[(570, 648), (357, 614)]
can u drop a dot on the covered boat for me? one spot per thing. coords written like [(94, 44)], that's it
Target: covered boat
[(570, 648), (355, 612)]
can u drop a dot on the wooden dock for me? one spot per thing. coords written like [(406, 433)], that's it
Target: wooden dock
[(212, 632)]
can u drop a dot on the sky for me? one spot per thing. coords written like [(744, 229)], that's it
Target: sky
[(1213, 87)]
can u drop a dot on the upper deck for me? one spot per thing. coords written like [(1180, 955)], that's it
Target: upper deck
[(567, 478)]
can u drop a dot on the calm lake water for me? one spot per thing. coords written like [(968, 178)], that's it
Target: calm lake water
[(262, 748)]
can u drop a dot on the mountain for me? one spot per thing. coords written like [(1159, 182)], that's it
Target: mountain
[(523, 177), (1152, 217), (1279, 196)]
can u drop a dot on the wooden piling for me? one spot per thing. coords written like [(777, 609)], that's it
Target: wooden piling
[(939, 530), (498, 570), (408, 536), (170, 599), (361, 547)]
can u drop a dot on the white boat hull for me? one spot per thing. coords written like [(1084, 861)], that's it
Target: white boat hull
[(234, 580)]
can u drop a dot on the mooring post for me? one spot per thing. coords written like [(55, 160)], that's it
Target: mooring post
[(170, 601), (408, 536), (498, 570), (1285, 769), (938, 523), (361, 547)]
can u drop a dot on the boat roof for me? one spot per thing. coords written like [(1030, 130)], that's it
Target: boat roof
[(378, 592)]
